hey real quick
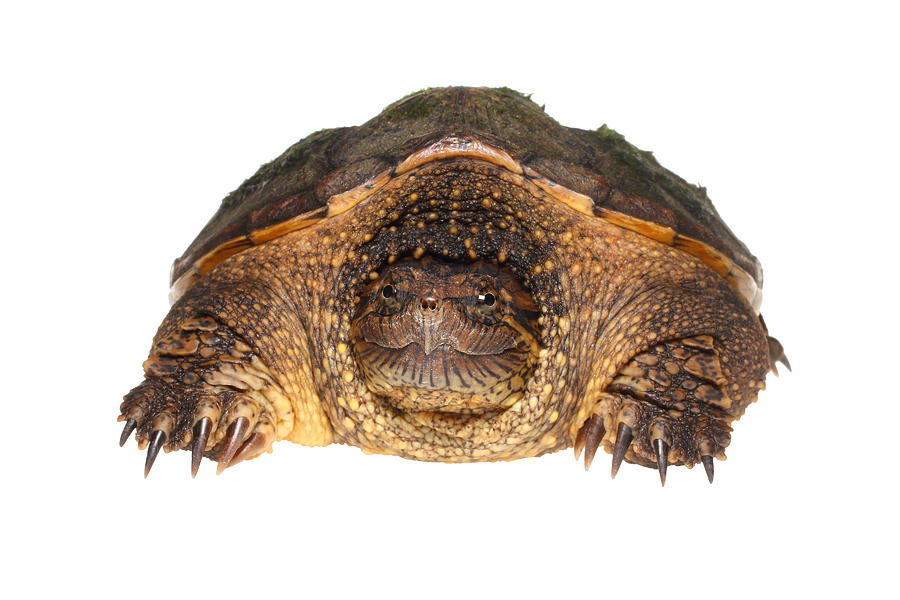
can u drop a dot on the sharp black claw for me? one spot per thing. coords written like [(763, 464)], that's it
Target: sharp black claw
[(202, 429), (579, 441), (776, 353), (593, 434), (233, 438), (250, 448), (784, 360), (662, 459), (708, 465), (157, 439), (130, 424), (624, 436)]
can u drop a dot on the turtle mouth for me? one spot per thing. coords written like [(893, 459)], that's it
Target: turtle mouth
[(443, 380)]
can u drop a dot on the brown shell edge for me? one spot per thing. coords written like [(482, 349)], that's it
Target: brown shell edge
[(468, 146)]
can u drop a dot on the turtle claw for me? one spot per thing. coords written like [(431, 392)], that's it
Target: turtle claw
[(130, 425), (579, 441), (196, 394), (255, 445), (594, 433), (784, 360), (777, 355), (171, 416), (157, 439), (233, 438), (624, 435), (662, 459), (202, 429), (708, 466)]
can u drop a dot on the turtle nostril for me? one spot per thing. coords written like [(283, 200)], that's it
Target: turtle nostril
[(429, 303)]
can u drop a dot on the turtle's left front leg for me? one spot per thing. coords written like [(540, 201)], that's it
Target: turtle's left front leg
[(218, 376)]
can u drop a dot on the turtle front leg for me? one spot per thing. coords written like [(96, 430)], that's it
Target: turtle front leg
[(214, 379), (206, 389), (672, 404)]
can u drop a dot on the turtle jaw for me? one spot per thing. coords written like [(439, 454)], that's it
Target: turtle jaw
[(413, 378), (444, 380)]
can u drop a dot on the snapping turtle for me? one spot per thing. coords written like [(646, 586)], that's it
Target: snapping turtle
[(459, 279)]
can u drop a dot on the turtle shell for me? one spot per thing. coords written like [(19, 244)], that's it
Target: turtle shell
[(595, 172)]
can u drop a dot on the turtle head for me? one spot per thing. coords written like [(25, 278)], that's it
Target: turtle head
[(449, 337)]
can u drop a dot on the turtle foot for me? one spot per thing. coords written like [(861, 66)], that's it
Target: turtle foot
[(205, 390), (667, 406), (223, 425), (655, 439)]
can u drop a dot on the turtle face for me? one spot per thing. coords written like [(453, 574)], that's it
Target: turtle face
[(437, 336)]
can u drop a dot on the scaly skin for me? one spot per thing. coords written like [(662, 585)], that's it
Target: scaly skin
[(606, 296)]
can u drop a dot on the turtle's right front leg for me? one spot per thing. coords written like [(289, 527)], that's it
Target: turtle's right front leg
[(211, 381)]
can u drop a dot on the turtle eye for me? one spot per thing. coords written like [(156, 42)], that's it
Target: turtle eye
[(387, 300), (487, 299), (486, 304)]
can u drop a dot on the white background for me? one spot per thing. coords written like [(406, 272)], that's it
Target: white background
[(122, 128)]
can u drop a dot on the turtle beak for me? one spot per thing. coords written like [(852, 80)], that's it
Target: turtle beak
[(430, 311)]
